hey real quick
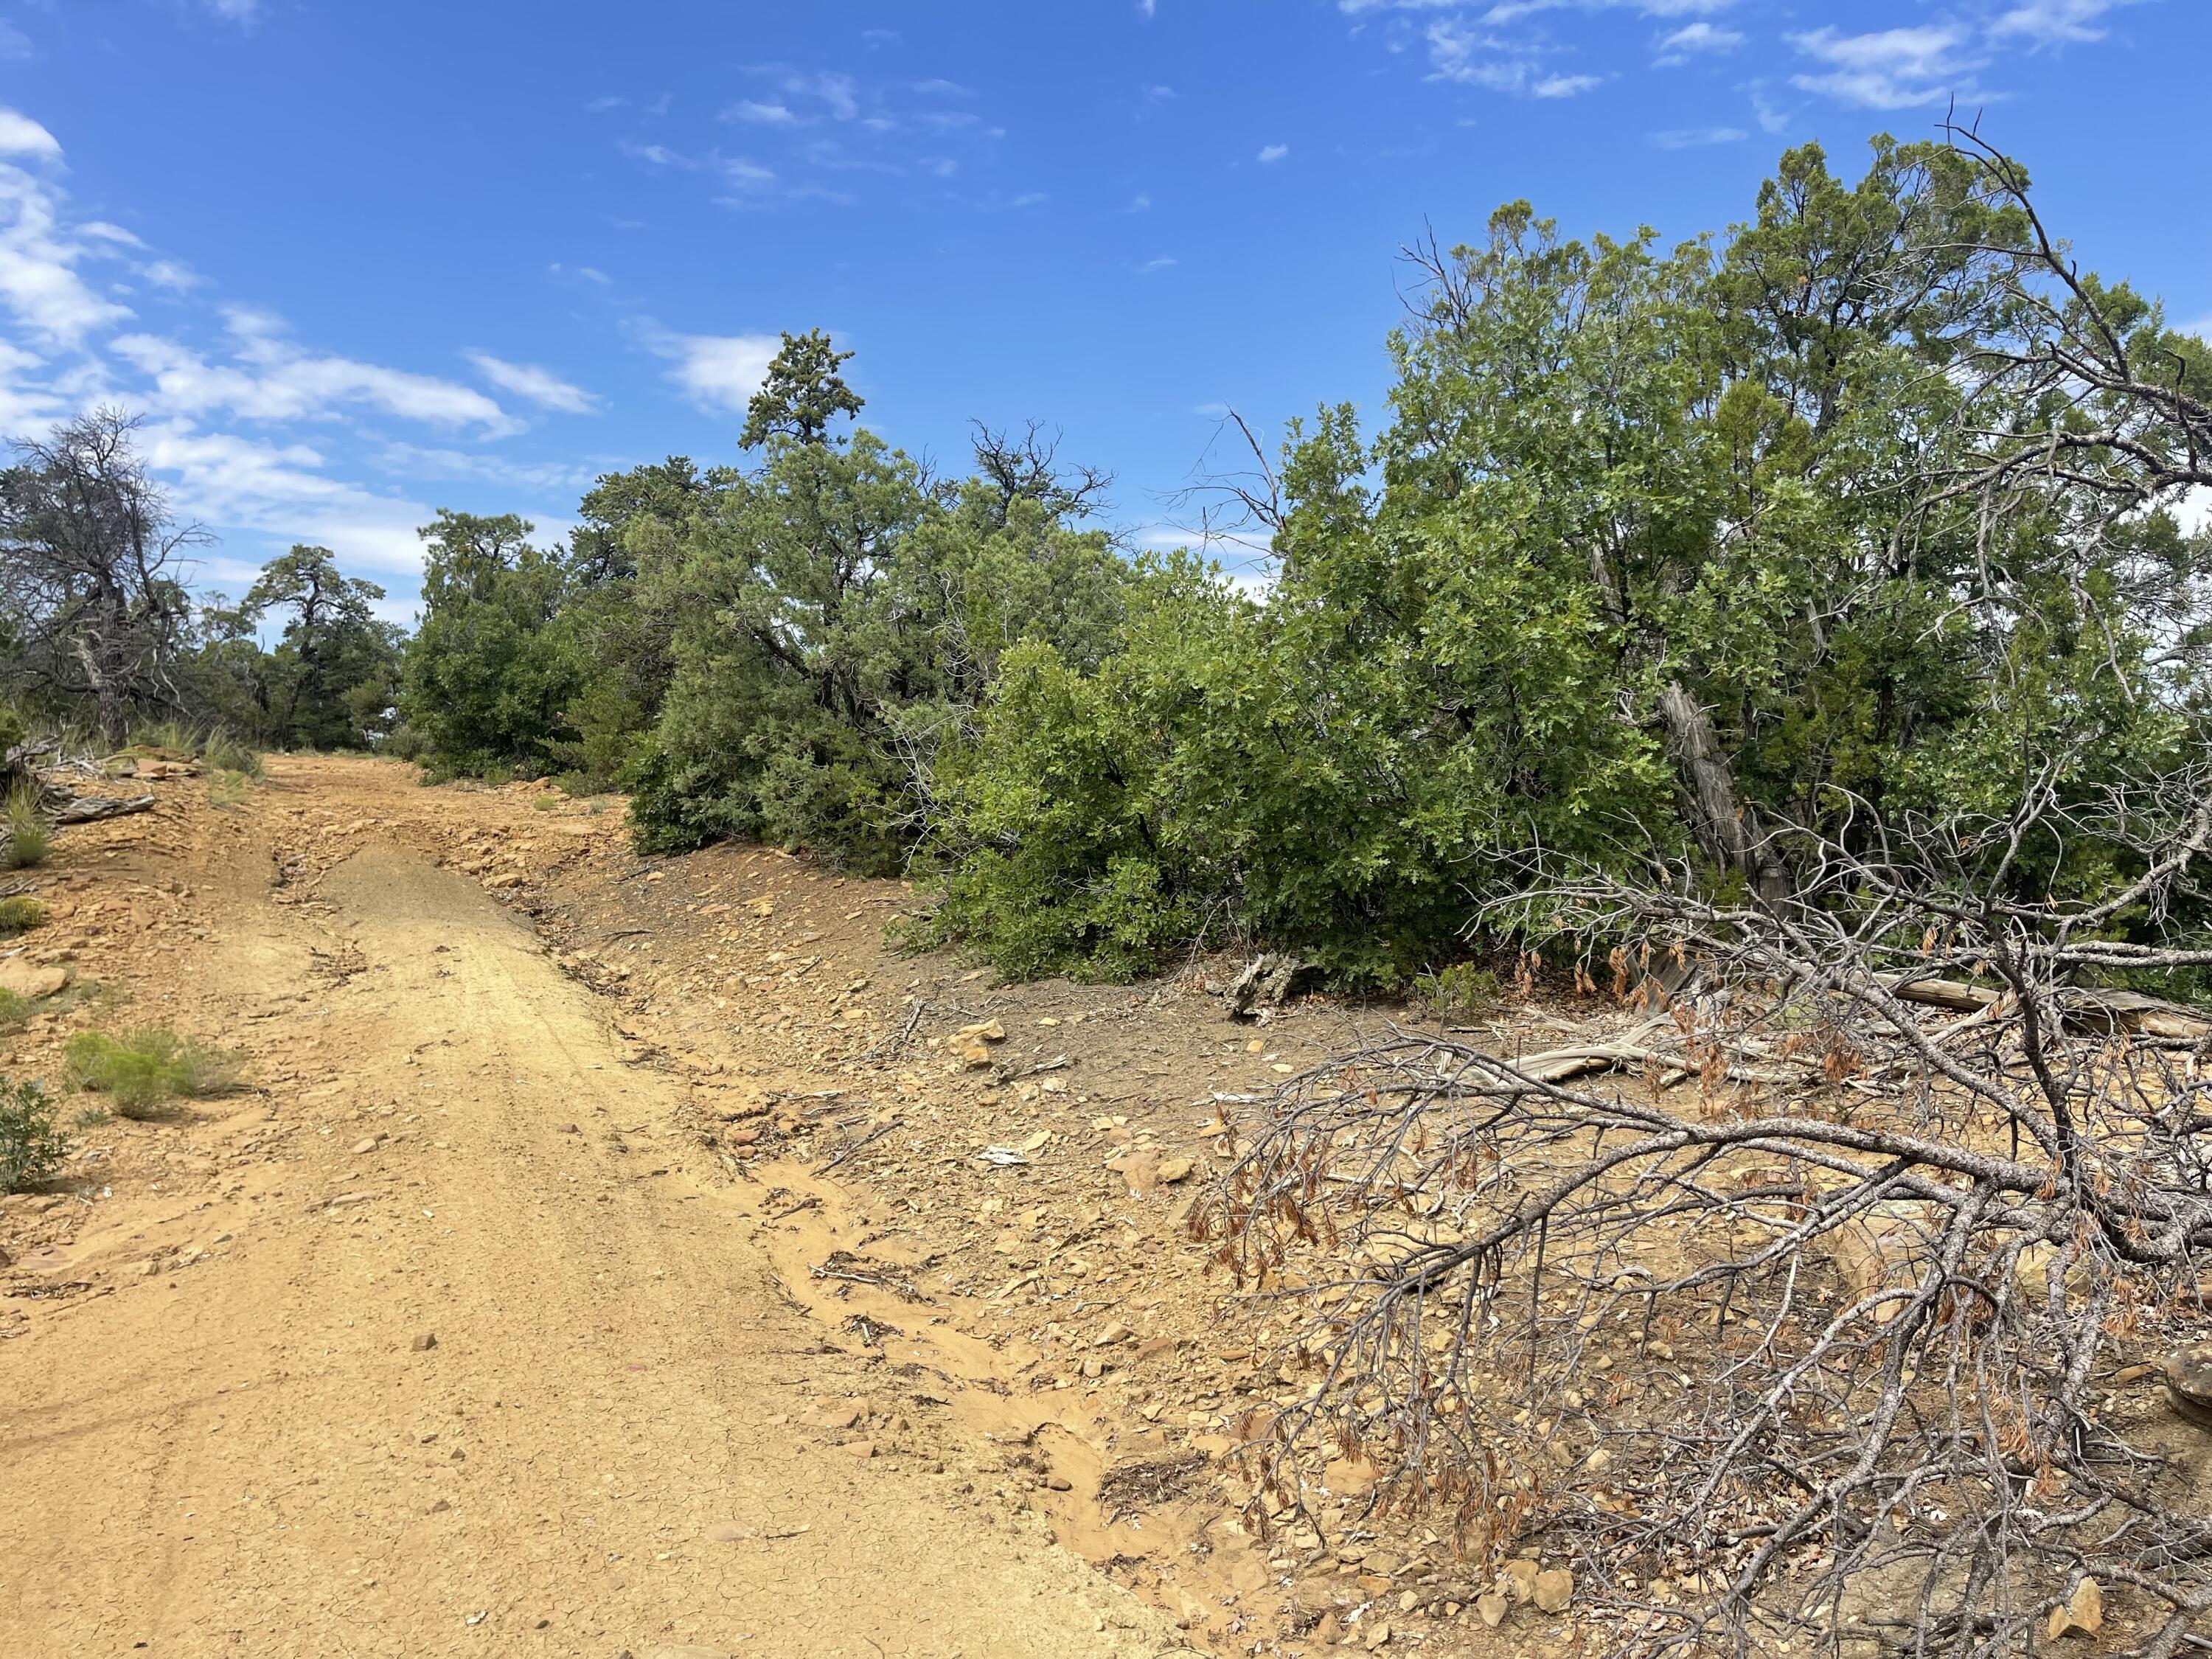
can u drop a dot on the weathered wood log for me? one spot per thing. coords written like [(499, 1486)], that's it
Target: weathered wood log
[(91, 808), (2096, 1010)]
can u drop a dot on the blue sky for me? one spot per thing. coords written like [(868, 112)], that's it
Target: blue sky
[(355, 259)]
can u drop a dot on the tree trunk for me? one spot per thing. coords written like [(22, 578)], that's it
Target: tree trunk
[(1724, 826)]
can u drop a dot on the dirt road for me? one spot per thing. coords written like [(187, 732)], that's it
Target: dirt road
[(445, 1353)]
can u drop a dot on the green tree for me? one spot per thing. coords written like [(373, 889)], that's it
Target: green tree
[(333, 674), (485, 681), (803, 392)]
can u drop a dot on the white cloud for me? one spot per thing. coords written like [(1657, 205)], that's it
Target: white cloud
[(2054, 22), (21, 136), (169, 274), (537, 385), (39, 256), (1890, 68), (1274, 152), (720, 371), (14, 43), (269, 378), (1151, 265), (1698, 137), (245, 13), (277, 491), (1565, 86), (1692, 39), (1146, 8)]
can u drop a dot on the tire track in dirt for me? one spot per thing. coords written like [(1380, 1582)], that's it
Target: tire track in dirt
[(606, 1448)]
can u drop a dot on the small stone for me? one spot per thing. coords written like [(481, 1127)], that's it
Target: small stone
[(1554, 1589), (1349, 1477), (367, 1145), (1329, 1627), (1173, 1169), (1378, 1637), (425, 1342), (2189, 1382), (2082, 1615), (863, 1450), (1518, 1580), (727, 1532), (1116, 1332), (1058, 1483), (439, 1508), (686, 1651), (28, 980), (1142, 1172)]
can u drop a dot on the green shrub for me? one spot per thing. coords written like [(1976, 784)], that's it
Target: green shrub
[(18, 914), (32, 1147), (15, 1011), (227, 789), (1463, 988), (141, 1070), (29, 839)]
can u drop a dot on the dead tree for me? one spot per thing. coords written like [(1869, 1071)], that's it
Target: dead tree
[(1787, 1309), (91, 571)]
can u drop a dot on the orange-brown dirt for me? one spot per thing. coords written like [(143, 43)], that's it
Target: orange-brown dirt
[(608, 1255)]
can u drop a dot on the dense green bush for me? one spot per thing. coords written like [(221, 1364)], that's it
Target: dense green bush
[(485, 679), (32, 1147), (1652, 552)]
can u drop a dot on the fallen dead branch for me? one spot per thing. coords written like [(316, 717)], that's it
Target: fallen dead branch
[(1808, 1354)]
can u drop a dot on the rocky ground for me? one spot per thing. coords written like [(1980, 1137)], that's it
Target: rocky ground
[(610, 1254)]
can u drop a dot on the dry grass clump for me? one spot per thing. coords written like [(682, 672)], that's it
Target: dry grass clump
[(143, 1070)]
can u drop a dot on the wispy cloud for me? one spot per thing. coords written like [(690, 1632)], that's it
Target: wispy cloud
[(1269, 152), (1892, 69), (534, 385), (1698, 137), (760, 113), (1484, 58), (1164, 262), (2055, 22), (169, 274), (267, 376)]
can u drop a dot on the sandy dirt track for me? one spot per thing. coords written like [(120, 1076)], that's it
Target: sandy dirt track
[(506, 1381)]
